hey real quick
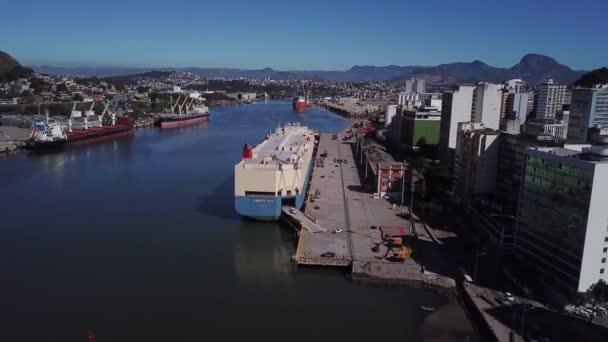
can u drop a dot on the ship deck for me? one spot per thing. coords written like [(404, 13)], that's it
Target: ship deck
[(280, 148)]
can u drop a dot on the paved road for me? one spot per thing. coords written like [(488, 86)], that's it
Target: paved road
[(306, 222), (328, 210)]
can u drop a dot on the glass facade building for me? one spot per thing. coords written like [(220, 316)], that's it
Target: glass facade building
[(560, 217)]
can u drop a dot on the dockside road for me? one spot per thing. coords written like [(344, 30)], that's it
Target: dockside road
[(328, 210), (347, 209)]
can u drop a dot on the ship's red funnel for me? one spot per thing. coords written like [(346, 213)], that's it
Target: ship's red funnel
[(247, 152)]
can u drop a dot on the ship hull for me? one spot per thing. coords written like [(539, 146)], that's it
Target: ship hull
[(183, 121), (83, 137), (300, 105), (99, 134), (268, 208), (47, 145)]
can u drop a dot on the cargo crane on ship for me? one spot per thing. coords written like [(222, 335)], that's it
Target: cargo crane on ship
[(82, 127), (188, 112)]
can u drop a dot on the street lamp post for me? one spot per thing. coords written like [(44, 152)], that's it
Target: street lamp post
[(412, 189), (402, 188), (478, 253), (523, 316)]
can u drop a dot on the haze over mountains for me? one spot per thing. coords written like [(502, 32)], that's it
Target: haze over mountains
[(532, 67)]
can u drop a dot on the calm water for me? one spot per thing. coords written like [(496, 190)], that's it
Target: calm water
[(137, 239)]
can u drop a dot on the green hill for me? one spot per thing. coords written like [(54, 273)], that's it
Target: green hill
[(597, 76), (10, 69)]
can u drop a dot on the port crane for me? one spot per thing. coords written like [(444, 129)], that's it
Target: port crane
[(174, 105)]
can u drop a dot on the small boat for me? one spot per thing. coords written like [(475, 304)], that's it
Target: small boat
[(426, 308)]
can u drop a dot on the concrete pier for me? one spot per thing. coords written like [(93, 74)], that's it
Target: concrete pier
[(345, 203)]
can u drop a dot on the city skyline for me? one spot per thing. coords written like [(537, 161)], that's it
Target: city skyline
[(310, 36)]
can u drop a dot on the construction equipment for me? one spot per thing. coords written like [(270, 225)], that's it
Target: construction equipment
[(393, 241)]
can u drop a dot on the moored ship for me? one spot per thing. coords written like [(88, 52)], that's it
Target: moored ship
[(299, 102), (274, 173), (185, 113), (82, 127), (47, 134)]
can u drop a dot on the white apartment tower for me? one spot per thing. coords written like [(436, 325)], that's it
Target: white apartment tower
[(415, 85), (551, 97), (456, 107), (487, 103)]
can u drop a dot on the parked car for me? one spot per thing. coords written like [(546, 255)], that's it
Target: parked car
[(328, 255)]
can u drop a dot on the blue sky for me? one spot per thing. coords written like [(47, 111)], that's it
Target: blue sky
[(290, 35)]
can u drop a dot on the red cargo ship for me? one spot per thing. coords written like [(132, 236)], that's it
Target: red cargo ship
[(81, 129), (299, 103), (123, 127)]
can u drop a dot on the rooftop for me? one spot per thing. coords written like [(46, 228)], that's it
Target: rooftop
[(597, 154), (377, 153), (285, 146)]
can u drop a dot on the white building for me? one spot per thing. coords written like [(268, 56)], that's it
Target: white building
[(415, 85), (487, 102), (455, 107), (475, 160), (557, 129), (551, 98), (391, 111), (562, 216), (409, 100)]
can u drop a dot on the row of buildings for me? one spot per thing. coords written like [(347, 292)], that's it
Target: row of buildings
[(533, 175), (528, 164)]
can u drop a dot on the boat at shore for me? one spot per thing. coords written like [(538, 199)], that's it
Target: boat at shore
[(82, 128), (185, 113), (274, 173)]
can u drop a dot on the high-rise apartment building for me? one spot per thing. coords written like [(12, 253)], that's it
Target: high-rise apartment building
[(516, 106), (589, 108), (551, 98), (415, 85), (487, 103), (455, 107), (475, 159), (562, 227)]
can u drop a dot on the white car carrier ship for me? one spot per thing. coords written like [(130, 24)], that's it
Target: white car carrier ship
[(274, 173)]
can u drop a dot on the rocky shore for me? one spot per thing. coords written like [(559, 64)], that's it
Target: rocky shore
[(402, 273)]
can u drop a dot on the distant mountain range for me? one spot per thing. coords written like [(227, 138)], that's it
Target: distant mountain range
[(532, 67)]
